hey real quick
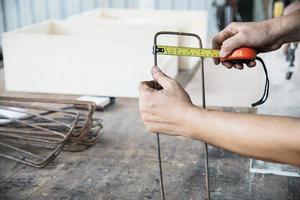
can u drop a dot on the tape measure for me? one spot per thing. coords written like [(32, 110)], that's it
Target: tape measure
[(239, 55)]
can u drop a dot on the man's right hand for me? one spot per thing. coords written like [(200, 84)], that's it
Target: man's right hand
[(262, 36)]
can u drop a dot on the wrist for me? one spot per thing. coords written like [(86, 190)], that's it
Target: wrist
[(287, 28), (191, 121), (276, 30)]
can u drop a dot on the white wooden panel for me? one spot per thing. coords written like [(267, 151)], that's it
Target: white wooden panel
[(179, 19), (81, 60)]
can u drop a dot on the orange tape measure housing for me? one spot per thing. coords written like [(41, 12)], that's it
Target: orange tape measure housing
[(243, 53)]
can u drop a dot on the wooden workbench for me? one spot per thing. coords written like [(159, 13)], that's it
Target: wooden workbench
[(123, 165)]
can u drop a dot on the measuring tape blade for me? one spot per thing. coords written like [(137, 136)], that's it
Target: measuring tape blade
[(186, 51)]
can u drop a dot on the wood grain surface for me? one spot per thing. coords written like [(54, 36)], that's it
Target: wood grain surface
[(123, 165)]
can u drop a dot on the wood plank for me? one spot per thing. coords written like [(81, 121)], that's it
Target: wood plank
[(123, 165), (95, 58)]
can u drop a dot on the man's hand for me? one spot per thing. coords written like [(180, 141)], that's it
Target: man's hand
[(169, 110), (262, 36), (163, 110)]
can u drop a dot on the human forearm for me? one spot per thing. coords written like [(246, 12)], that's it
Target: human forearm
[(170, 111), (289, 27), (263, 137)]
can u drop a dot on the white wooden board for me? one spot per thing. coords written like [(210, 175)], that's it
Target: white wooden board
[(55, 57), (185, 21)]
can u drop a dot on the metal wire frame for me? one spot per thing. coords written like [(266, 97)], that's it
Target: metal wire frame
[(37, 129), (91, 138), (203, 105), (81, 137)]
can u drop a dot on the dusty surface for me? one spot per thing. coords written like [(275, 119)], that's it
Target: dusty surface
[(123, 165)]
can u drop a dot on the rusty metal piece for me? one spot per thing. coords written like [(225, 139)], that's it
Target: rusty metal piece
[(45, 127), (203, 106)]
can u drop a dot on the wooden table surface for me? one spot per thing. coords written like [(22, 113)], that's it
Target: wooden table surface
[(123, 165)]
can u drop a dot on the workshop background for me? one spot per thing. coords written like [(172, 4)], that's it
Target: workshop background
[(99, 50), (19, 13)]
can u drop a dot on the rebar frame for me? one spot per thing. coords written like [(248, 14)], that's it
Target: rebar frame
[(47, 128), (203, 105)]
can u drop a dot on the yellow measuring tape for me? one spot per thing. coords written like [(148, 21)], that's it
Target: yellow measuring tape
[(186, 51)]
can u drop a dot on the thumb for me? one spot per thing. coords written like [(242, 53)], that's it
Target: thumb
[(160, 77), (231, 44)]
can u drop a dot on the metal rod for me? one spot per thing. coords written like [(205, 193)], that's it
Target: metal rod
[(162, 189), (39, 136), (207, 181), (205, 144)]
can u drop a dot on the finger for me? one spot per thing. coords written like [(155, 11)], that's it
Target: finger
[(145, 87), (161, 77), (227, 64), (153, 84), (219, 39), (239, 66), (150, 84), (232, 43), (216, 44), (251, 64)]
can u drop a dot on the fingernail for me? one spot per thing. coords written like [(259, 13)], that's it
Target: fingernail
[(223, 53), (155, 69)]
